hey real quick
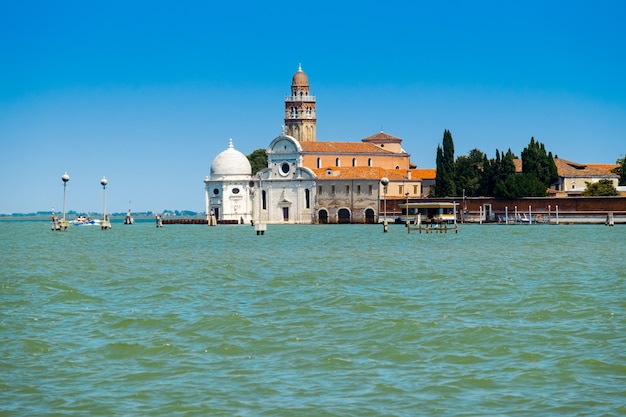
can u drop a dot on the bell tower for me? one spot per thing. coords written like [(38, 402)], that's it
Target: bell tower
[(300, 116)]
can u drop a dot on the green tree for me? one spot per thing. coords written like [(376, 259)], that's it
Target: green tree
[(620, 170), (496, 171), (520, 185), (536, 161), (468, 170), (444, 182), (603, 187), (258, 160)]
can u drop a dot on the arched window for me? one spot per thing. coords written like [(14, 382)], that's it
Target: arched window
[(264, 200), (369, 162), (353, 162), (319, 162), (337, 162), (343, 216), (307, 198)]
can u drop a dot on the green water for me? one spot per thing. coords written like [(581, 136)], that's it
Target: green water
[(335, 320)]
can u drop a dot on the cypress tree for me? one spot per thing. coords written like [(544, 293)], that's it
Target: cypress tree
[(445, 186), (537, 162), (440, 173)]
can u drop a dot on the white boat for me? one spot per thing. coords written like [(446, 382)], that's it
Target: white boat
[(85, 221)]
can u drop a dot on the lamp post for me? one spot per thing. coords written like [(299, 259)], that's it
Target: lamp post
[(206, 199), (408, 222), (64, 224), (259, 226), (106, 224), (464, 208), (384, 181)]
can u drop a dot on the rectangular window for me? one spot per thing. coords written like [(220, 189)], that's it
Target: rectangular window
[(369, 190), (347, 189), (400, 189), (286, 214), (358, 189), (332, 189), (415, 189), (319, 189)]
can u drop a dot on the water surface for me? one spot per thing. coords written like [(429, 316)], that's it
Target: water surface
[(328, 320)]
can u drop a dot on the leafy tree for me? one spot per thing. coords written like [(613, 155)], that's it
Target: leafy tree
[(520, 185), (496, 171), (536, 161), (444, 182), (620, 170), (258, 160), (604, 187), (468, 170)]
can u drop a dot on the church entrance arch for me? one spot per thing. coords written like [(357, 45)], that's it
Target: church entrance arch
[(369, 215), (343, 216), (322, 216)]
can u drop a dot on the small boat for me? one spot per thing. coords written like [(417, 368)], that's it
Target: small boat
[(85, 221)]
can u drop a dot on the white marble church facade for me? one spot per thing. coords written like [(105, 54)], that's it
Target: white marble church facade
[(286, 189), (282, 193)]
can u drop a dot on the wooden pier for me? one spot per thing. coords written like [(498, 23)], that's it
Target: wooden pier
[(205, 222)]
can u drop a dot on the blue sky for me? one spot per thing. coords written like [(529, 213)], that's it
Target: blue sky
[(148, 93)]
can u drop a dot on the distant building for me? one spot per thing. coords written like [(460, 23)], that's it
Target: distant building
[(573, 176)]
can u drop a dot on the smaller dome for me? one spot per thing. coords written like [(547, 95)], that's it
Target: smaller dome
[(300, 78), (230, 163)]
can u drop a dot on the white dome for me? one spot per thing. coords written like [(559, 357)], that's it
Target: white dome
[(230, 163)]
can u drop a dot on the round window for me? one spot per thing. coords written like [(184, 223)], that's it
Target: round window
[(235, 190), (216, 191), (285, 168)]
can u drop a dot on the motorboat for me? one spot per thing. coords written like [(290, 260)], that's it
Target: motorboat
[(85, 221)]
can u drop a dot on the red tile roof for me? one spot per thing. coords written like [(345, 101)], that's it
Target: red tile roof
[(360, 173), (336, 148), (382, 137), (604, 167), (571, 169), (424, 173)]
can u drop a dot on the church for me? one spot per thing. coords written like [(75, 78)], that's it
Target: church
[(309, 181)]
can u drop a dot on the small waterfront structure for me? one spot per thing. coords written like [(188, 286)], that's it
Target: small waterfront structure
[(54, 224), (129, 218), (430, 217)]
